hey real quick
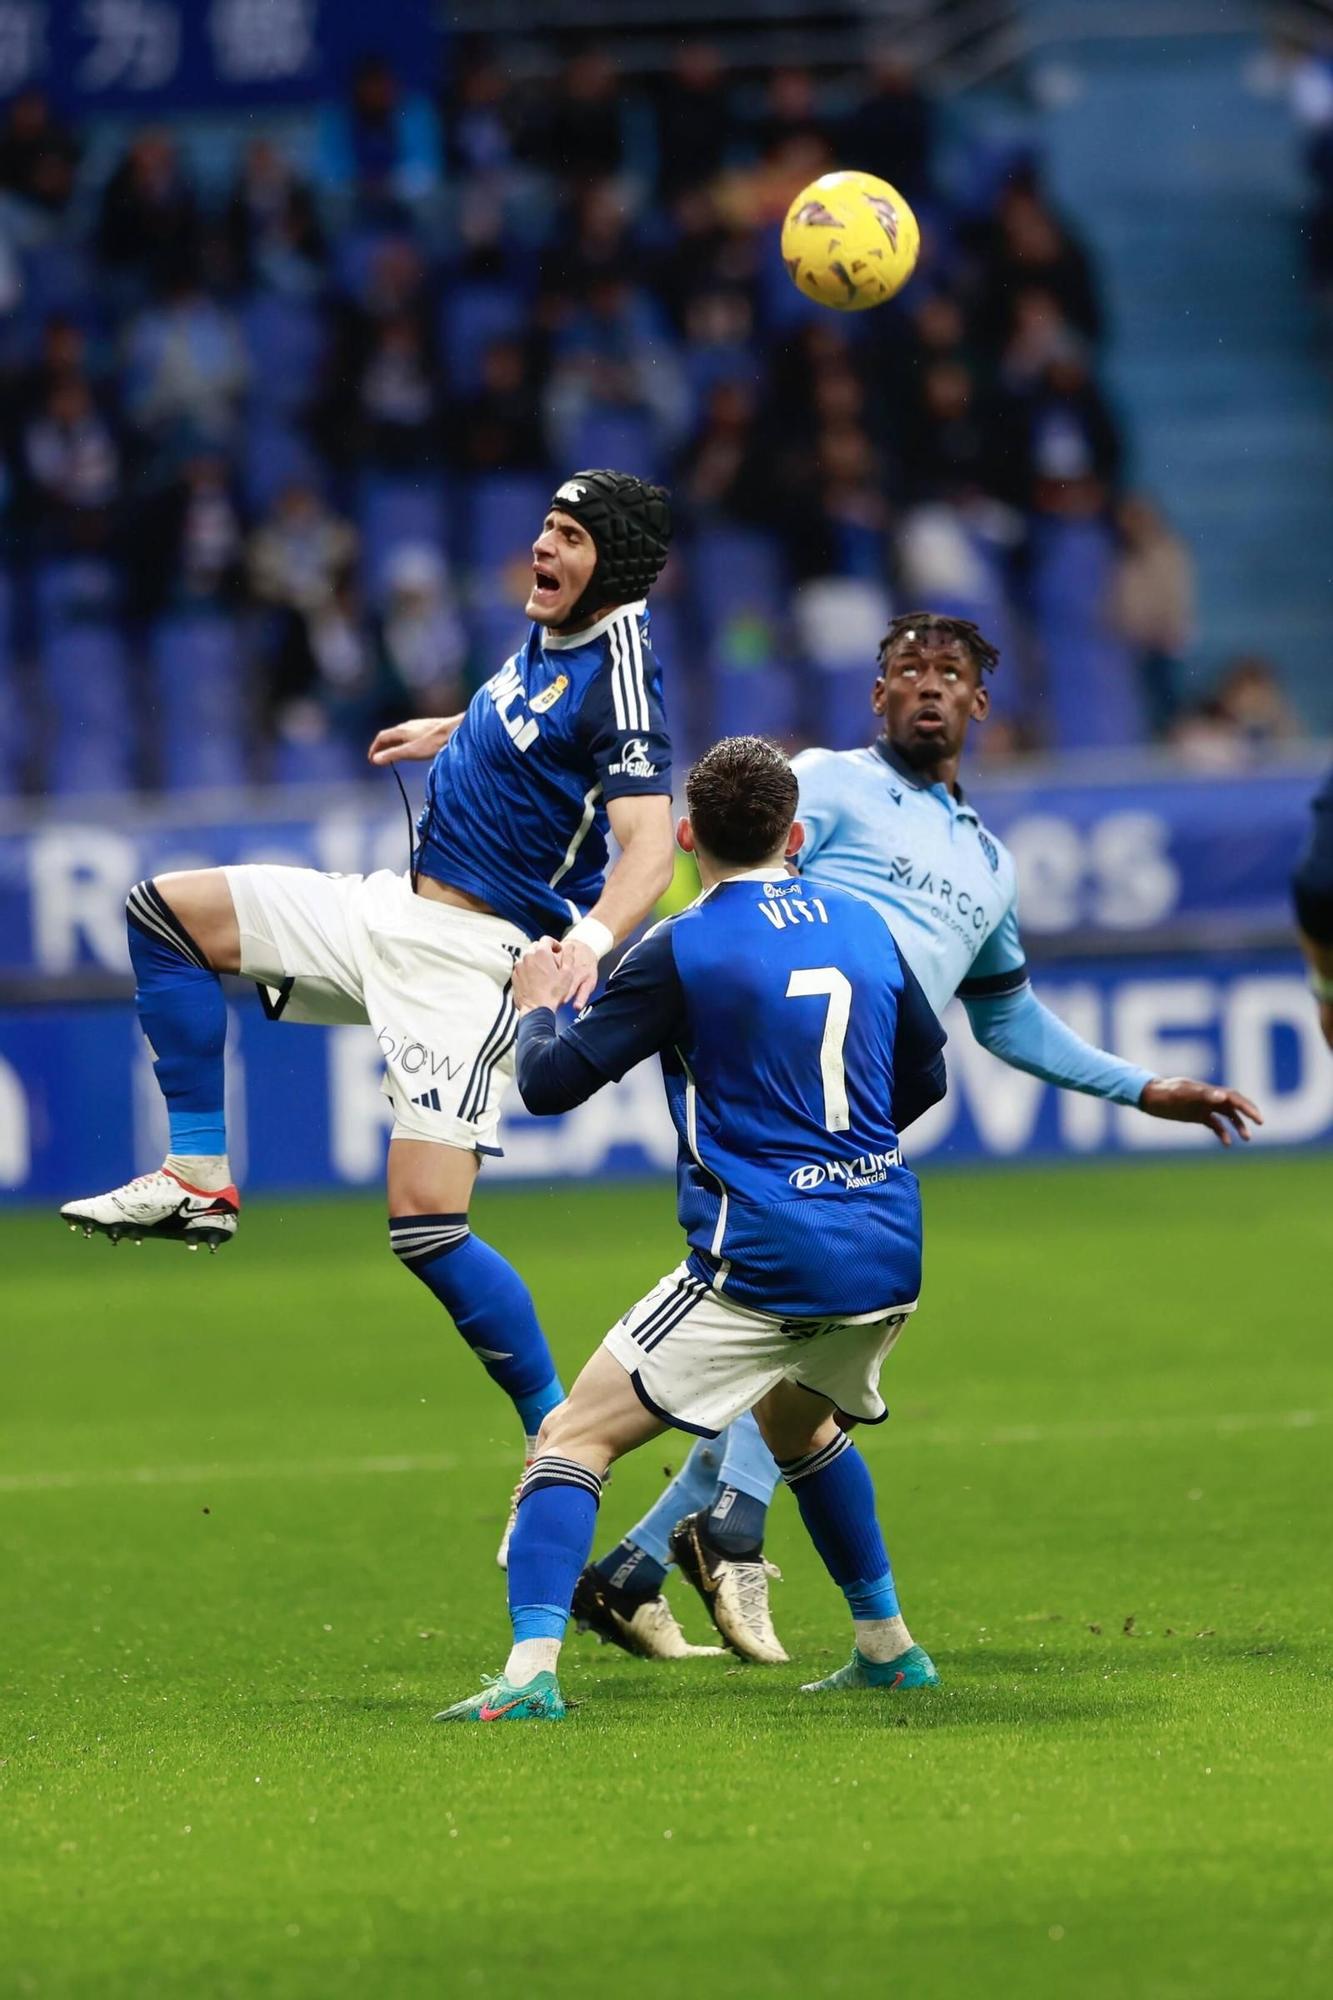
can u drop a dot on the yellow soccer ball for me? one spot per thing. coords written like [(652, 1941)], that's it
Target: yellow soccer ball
[(850, 241)]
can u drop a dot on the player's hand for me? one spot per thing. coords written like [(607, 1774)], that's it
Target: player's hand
[(540, 978), (580, 963), (413, 741), (1224, 1112)]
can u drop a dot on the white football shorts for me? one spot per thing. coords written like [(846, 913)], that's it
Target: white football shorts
[(431, 981), (698, 1360)]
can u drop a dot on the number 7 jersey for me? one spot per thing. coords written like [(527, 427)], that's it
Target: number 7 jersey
[(795, 1045)]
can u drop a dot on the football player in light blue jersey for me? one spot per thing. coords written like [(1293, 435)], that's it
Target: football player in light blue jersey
[(796, 1046), (564, 744), (893, 824)]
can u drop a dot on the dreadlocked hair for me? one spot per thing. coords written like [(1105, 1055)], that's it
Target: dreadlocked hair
[(963, 630)]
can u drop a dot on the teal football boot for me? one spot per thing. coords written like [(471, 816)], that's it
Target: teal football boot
[(912, 1669), (539, 1700)]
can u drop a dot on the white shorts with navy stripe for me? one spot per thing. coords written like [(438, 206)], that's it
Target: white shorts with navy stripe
[(698, 1361), (431, 982)]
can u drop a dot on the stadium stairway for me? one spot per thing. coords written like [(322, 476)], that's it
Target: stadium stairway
[(1188, 184)]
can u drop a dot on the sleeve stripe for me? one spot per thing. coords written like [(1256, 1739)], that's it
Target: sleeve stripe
[(636, 646), (617, 676), (996, 985)]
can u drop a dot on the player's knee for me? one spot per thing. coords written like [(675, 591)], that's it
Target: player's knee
[(197, 904), (792, 1422), (418, 1238)]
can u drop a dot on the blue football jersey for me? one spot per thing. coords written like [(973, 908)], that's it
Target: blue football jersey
[(795, 1043), (516, 801)]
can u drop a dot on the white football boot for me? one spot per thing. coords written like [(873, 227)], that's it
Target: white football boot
[(645, 1626), (735, 1593), (159, 1205), (502, 1553)]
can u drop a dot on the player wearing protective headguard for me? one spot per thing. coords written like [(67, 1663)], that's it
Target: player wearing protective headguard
[(565, 744)]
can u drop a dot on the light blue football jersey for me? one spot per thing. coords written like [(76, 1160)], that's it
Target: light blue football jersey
[(944, 885)]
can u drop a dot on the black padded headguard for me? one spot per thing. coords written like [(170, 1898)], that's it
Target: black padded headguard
[(630, 522)]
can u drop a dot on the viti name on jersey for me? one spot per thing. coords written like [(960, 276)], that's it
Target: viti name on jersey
[(790, 912), (504, 689)]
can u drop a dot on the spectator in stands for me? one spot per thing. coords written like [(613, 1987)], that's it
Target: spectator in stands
[(1250, 696), (947, 449), (420, 640), (892, 130), (499, 427), (146, 231), (300, 553), (38, 155), (694, 120), (579, 127), (382, 147), (1060, 445), (186, 366), (1027, 247), (273, 228), (1152, 604), (397, 404), (615, 359), (479, 138), (790, 110), (73, 469), (726, 469)]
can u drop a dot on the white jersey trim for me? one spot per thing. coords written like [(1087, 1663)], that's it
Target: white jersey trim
[(564, 642), (628, 691), (590, 798)]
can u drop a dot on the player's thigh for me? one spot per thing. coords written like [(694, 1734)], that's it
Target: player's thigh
[(427, 1178), (302, 939), (437, 996), (794, 1421), (695, 1359), (601, 1418), (202, 901), (842, 1362)]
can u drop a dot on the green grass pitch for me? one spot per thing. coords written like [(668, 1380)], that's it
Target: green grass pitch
[(248, 1512)]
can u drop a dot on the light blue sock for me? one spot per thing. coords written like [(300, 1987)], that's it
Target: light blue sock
[(747, 1463), (692, 1488)]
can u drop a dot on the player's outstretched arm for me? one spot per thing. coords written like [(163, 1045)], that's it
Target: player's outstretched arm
[(417, 741), (641, 824), (1017, 1028), (640, 1013)]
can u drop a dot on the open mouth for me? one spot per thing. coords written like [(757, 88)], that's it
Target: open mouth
[(930, 720), (545, 585)]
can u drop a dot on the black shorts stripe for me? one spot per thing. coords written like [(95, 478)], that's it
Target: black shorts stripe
[(683, 1294), (477, 1087), (148, 910)]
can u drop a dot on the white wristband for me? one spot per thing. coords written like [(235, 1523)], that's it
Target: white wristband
[(589, 931)]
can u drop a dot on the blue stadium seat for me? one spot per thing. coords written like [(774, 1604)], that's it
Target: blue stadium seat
[(501, 516), (473, 315), (199, 683), (394, 510), (275, 456), (620, 438), (74, 589), (12, 744), (1091, 690), (326, 760), (764, 700), (287, 341), (735, 571), (91, 710)]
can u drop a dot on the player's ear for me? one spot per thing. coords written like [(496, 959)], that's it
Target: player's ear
[(684, 835), (879, 694), (981, 703), (795, 841)]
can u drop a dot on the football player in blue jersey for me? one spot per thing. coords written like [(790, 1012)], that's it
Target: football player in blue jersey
[(565, 744), (796, 1046), (892, 824)]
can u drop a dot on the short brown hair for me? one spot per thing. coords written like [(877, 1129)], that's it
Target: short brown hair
[(741, 797)]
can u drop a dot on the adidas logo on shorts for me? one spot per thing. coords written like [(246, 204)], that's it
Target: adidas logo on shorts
[(429, 1100)]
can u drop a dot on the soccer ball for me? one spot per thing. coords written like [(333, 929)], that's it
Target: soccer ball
[(850, 241)]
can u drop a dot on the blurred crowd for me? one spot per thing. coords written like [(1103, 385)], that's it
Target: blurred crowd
[(310, 403)]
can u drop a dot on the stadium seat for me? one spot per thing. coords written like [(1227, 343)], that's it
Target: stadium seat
[(287, 341), (501, 516), (734, 571), (1091, 691), (323, 760), (473, 315), (622, 438), (12, 744), (200, 699), (90, 709), (394, 510), (73, 590), (275, 455)]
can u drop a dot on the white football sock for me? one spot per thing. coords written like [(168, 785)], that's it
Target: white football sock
[(209, 1172), (530, 1657), (881, 1639)]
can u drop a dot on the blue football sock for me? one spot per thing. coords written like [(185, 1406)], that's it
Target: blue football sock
[(735, 1525), (488, 1303), (184, 1016), (692, 1488), (632, 1569), (552, 1540), (836, 1496)]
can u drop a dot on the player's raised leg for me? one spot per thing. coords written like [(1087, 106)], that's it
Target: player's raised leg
[(430, 1191), (602, 1419), (182, 933), (836, 1495)]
